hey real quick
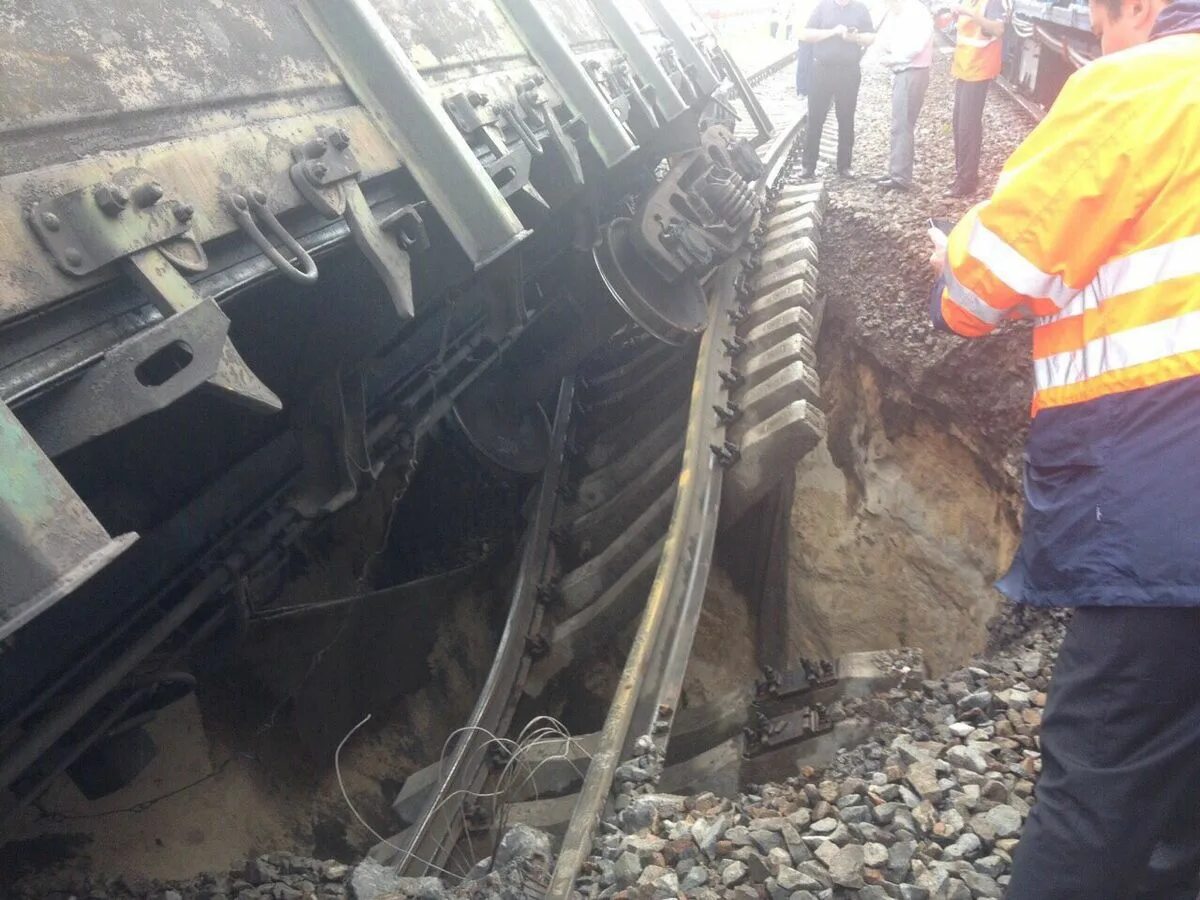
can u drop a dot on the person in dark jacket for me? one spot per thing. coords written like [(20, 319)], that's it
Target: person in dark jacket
[(838, 31), (1093, 231)]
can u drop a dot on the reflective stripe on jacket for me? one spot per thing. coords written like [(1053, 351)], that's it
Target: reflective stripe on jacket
[(1094, 233), (977, 56)]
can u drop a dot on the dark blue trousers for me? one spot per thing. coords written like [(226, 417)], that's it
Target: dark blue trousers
[(1117, 814)]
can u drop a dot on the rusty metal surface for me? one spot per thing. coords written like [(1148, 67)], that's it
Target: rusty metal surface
[(109, 69), (578, 21), (193, 170), (451, 32)]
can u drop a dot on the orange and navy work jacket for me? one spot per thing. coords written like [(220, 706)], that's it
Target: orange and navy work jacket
[(977, 55), (1093, 232)]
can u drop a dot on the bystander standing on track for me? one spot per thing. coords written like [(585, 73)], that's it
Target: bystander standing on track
[(905, 44), (839, 30), (1094, 232), (978, 56)]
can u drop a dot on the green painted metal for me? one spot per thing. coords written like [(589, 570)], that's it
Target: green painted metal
[(49, 540)]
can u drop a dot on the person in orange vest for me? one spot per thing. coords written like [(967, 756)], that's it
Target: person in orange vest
[(977, 59), (1093, 232)]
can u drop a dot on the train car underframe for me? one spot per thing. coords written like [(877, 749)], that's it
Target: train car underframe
[(159, 482)]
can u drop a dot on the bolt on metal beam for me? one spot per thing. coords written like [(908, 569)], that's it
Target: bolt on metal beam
[(392, 91), (609, 137), (689, 53), (642, 61)]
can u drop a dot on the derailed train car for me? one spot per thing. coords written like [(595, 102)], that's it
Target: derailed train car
[(252, 252), (1044, 43)]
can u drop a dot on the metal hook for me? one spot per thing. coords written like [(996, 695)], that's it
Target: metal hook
[(244, 205)]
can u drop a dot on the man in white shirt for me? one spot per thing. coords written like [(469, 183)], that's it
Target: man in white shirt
[(905, 44)]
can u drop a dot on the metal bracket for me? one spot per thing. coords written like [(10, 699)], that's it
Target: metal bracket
[(90, 227), (127, 220), (481, 121), (565, 152), (670, 64), (326, 174), (810, 676), (332, 426), (247, 205), (146, 373), (172, 294), (789, 728), (640, 111)]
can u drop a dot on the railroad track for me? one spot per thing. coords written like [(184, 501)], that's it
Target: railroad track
[(605, 529), (646, 439), (767, 71)]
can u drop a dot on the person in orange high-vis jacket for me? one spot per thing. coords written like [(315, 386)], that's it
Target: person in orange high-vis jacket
[(1093, 232), (977, 58)]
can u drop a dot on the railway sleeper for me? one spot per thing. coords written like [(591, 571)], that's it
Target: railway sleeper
[(577, 635), (634, 369), (769, 280), (795, 382), (782, 233), (614, 407), (798, 247), (602, 525), (582, 585), (793, 208), (769, 449), (808, 192), (597, 486), (801, 293), (711, 751), (794, 322), (605, 445)]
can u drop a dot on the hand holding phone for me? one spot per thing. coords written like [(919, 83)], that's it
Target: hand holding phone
[(939, 237)]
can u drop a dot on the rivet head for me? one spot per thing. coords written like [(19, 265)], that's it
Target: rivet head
[(147, 194), (184, 212), (111, 198), (238, 201), (50, 221), (73, 257), (316, 147), (340, 138), (260, 196), (318, 170)]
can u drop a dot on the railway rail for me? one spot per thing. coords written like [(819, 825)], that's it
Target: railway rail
[(622, 531)]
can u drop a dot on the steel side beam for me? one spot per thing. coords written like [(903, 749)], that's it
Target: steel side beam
[(392, 91), (641, 59), (50, 543), (611, 139), (758, 115)]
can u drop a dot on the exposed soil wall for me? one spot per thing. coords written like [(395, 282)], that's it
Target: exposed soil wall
[(898, 528), (906, 515)]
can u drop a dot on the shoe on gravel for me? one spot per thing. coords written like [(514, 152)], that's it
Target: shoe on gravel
[(808, 175), (845, 173), (881, 179), (893, 185), (960, 191)]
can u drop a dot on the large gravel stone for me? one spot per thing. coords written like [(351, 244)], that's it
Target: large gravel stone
[(846, 869), (1005, 821)]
